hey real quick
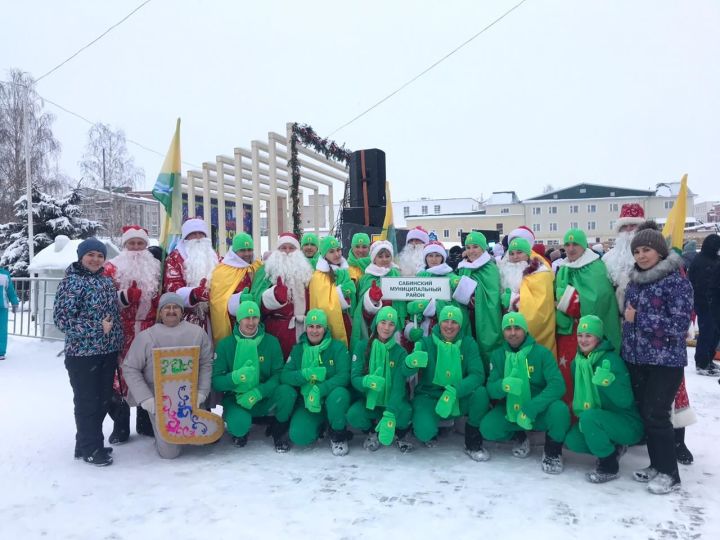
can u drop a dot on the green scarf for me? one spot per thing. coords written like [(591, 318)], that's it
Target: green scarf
[(246, 354), (563, 322), (516, 365), (448, 366), (585, 395), (361, 263), (379, 365), (311, 359)]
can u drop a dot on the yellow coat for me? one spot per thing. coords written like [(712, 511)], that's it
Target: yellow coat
[(356, 273), (323, 295), (537, 304), (226, 281)]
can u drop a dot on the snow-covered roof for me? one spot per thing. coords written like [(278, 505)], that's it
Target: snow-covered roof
[(502, 197), (61, 253), (670, 189)]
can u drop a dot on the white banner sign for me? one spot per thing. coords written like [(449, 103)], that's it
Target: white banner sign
[(415, 288)]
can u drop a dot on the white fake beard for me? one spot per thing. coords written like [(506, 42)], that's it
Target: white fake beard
[(511, 274), (411, 259), (293, 268), (619, 260), (142, 268), (200, 262)]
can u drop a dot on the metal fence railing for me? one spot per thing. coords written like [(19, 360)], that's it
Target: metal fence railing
[(34, 315)]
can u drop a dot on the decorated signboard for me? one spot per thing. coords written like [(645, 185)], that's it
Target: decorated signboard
[(415, 288)]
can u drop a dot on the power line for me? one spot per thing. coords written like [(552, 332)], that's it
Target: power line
[(81, 49), (416, 77)]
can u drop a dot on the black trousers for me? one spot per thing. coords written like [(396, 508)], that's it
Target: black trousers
[(655, 388), (91, 378), (709, 336)]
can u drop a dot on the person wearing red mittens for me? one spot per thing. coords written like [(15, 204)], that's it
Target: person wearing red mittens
[(136, 275), (280, 288)]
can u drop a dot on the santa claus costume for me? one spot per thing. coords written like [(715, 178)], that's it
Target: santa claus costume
[(526, 233), (188, 271), (280, 289), (136, 275), (411, 259)]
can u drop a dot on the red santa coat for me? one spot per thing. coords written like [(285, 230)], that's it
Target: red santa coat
[(174, 281)]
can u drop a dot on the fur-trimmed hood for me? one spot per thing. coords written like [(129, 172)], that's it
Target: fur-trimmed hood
[(672, 263)]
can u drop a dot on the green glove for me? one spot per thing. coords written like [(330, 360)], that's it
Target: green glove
[(313, 375), (416, 334), (312, 399), (416, 307), (505, 298), (523, 420), (348, 289), (373, 382), (386, 428), (603, 376), (418, 358), (249, 399), (446, 402), (244, 378), (454, 282)]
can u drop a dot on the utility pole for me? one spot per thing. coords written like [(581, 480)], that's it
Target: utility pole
[(28, 177)]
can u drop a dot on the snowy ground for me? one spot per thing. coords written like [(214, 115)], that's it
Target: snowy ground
[(255, 493)]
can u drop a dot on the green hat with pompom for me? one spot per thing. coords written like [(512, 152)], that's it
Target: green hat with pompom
[(328, 243), (451, 313), (591, 324), (242, 240), (316, 316), (476, 238), (520, 244)]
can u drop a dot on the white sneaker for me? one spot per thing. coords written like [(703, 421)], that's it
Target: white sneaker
[(478, 455), (371, 443), (552, 464), (645, 475), (521, 449), (339, 448), (2, 357), (663, 484)]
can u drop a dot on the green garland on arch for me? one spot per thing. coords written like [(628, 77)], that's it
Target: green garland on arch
[(305, 135)]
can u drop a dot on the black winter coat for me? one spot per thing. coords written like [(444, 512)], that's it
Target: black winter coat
[(704, 274)]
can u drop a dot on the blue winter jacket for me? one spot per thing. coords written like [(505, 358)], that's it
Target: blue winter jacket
[(7, 290), (83, 299), (663, 298)]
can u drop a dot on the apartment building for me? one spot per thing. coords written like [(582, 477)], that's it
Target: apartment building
[(114, 210)]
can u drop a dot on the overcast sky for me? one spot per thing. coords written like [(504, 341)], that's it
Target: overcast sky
[(618, 92)]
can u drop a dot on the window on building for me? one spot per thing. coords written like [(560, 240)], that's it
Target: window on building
[(612, 193), (446, 233), (459, 231), (591, 226), (552, 210), (536, 211), (536, 227), (499, 228), (424, 210), (574, 225), (613, 207), (553, 227), (583, 190), (553, 242), (612, 224), (406, 211), (574, 209), (668, 205), (592, 208), (504, 210), (437, 209)]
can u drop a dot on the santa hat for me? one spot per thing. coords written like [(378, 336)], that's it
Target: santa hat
[(418, 233), (134, 231), (194, 225), (539, 249), (630, 214), (289, 238), (435, 247), (379, 245), (522, 232)]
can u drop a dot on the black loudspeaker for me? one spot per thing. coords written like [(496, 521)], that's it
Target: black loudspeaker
[(349, 229), (490, 236), (368, 165), (354, 214)]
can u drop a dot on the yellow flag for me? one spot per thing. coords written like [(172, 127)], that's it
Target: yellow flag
[(167, 191), (674, 229)]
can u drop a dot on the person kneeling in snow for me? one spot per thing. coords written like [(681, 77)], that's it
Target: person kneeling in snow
[(526, 379), (603, 401), (247, 369), (170, 331), (452, 383), (379, 374), (320, 367)]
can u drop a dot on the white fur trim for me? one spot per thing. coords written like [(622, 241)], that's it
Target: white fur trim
[(406, 331), (269, 300), (628, 221), (586, 258), (343, 303), (435, 248), (122, 299), (482, 260), (465, 290), (185, 293), (418, 234), (564, 301), (429, 311), (369, 306), (521, 233), (233, 259), (287, 239), (135, 233), (683, 417), (378, 245), (442, 269), (233, 304), (324, 266), (378, 271), (194, 225)]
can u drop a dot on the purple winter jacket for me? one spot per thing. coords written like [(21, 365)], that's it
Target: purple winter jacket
[(663, 298)]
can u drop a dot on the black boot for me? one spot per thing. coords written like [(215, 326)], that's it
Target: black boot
[(682, 453), (552, 462), (239, 441), (474, 444), (607, 469), (339, 442), (78, 453), (119, 411), (280, 436), (143, 426)]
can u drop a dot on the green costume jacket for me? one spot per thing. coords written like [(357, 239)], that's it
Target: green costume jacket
[(546, 380), (618, 397), (270, 361), (335, 360), (359, 324), (473, 370), (396, 358)]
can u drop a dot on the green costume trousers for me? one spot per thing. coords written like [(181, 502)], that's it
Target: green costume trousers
[(598, 431), (555, 421), (305, 425), (362, 418), (278, 404), (426, 420)]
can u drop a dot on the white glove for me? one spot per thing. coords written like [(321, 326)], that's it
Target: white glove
[(149, 405), (201, 399)]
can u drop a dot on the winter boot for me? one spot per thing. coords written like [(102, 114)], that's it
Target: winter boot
[(280, 436), (521, 448), (474, 444), (143, 426), (402, 441), (339, 442), (663, 484), (432, 443), (606, 470), (371, 442), (645, 475), (239, 442), (682, 453), (78, 453), (99, 458), (552, 461), (119, 411), (711, 370)]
